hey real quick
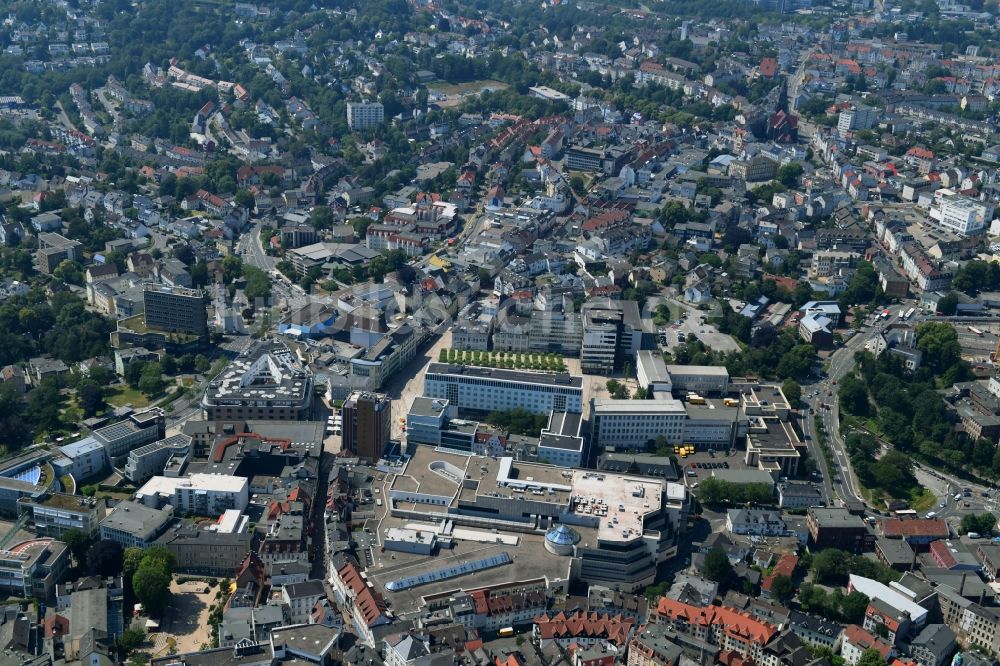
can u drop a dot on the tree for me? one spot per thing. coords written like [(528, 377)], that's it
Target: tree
[(782, 589), (792, 391), (151, 584), (789, 174), (130, 561), (184, 254), (938, 342), (90, 395), (168, 365), (245, 199), (78, 543), (130, 640), (871, 657), (15, 431), (202, 364), (105, 558), (321, 218), (232, 269), (947, 304), (717, 567), (982, 523), (853, 606), (853, 396), (258, 285), (830, 565), (161, 554), (151, 382)]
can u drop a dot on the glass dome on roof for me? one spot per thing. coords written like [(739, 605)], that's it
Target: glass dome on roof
[(562, 535)]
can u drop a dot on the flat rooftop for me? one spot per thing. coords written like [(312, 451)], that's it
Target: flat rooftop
[(693, 370), (520, 376), (653, 365), (779, 438), (429, 407), (565, 423), (657, 406), (270, 372), (619, 501)]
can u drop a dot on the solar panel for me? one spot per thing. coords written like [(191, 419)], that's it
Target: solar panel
[(449, 572)]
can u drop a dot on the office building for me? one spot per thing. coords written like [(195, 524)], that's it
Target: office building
[(756, 169), (365, 115), (838, 528), (962, 215), (636, 424), (612, 335), (134, 525), (149, 460), (33, 569), (135, 431), (84, 459), (367, 424), (53, 249), (651, 371), (198, 494), (772, 446), (53, 514), (560, 442), (856, 118), (701, 379), (206, 552), (175, 309), (485, 390), (267, 383)]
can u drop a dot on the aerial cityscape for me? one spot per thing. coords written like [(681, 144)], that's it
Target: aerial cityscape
[(499, 333)]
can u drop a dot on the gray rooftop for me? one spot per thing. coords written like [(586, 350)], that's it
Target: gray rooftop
[(544, 378), (136, 519)]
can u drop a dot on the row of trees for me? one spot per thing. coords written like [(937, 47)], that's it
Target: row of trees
[(716, 492)]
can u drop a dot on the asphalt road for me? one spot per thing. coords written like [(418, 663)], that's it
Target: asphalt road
[(253, 253)]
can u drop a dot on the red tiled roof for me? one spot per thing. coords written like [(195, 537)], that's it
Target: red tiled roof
[(864, 640), (785, 567), (735, 624), (923, 153), (371, 605), (56, 625), (351, 578), (615, 629), (894, 527)]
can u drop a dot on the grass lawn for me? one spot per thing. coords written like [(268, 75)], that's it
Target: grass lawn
[(923, 500), (126, 395)]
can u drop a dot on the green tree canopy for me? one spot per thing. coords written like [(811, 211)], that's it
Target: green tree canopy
[(717, 567)]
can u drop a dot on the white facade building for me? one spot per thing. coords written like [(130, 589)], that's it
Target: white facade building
[(200, 494), (632, 424), (365, 115), (489, 389), (963, 215), (699, 378)]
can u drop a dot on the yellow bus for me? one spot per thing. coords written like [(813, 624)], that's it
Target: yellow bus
[(506, 632)]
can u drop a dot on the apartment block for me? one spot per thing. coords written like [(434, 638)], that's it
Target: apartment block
[(365, 115), (53, 249)]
